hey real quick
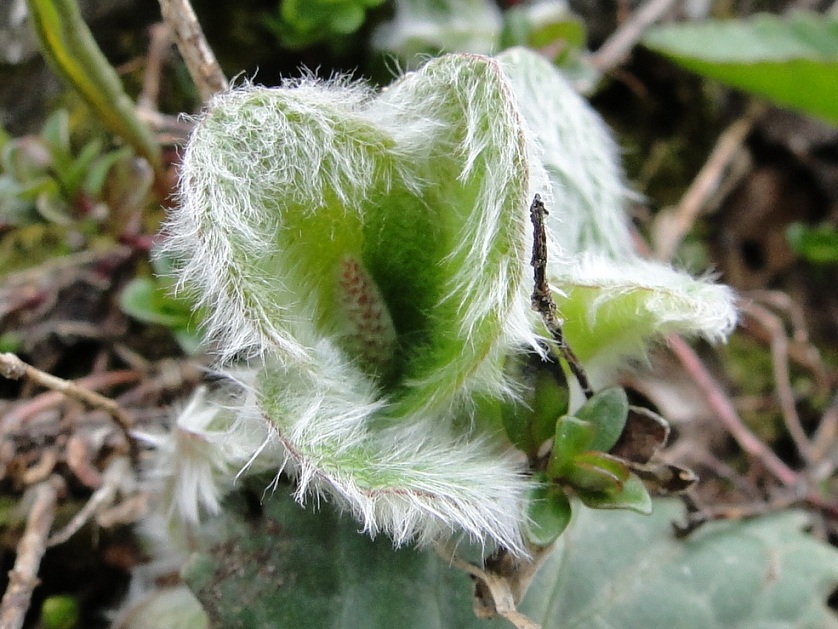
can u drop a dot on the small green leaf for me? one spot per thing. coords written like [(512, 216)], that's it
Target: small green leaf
[(60, 612), (548, 512), (551, 399), (56, 131), (144, 299), (531, 420), (573, 436), (791, 60), (597, 472), (607, 410), (100, 167), (73, 175), (53, 208), (633, 496)]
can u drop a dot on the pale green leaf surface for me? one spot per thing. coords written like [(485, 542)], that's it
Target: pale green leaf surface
[(615, 570), (791, 60), (610, 570), (548, 511)]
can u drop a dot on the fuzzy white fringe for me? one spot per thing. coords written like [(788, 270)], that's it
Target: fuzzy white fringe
[(423, 469)]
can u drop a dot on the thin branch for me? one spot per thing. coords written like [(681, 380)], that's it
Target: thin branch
[(723, 407), (23, 578), (617, 47), (200, 60), (697, 516), (542, 297), (43, 402), (158, 49), (782, 381), (113, 479), (826, 435), (801, 350), (14, 368), (671, 227)]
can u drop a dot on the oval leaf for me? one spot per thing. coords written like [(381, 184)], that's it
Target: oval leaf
[(607, 410), (791, 60)]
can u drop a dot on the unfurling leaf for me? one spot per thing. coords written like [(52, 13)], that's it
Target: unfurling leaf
[(366, 255)]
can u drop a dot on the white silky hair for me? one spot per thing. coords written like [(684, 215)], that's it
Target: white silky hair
[(416, 479), (305, 407)]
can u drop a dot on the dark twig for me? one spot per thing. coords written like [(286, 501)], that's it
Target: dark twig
[(14, 368), (697, 516), (542, 298), (23, 578)]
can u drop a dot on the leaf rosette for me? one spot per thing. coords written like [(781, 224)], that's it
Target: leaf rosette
[(367, 254)]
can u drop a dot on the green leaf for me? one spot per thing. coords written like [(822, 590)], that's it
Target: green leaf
[(60, 612), (537, 26), (69, 47), (610, 570), (295, 568), (607, 410), (144, 299), (531, 419), (573, 436), (631, 495), (548, 512), (613, 570), (818, 245), (596, 473), (99, 168), (791, 60), (56, 131)]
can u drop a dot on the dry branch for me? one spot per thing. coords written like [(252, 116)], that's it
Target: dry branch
[(14, 368), (723, 407), (200, 60), (671, 227), (23, 578), (617, 47)]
